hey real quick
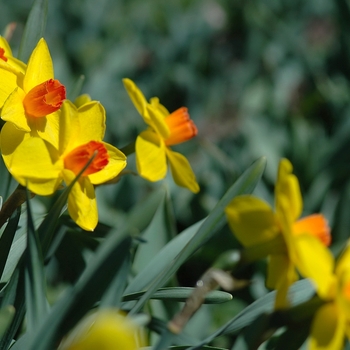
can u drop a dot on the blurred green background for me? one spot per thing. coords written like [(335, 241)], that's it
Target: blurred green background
[(260, 78)]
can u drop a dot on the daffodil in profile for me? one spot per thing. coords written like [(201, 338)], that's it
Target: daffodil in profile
[(35, 163), (104, 329), (254, 222), (164, 130), (30, 99)]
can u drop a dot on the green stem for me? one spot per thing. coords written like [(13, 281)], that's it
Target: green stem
[(128, 149), (17, 198)]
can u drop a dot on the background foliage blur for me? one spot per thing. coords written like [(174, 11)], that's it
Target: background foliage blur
[(262, 77)]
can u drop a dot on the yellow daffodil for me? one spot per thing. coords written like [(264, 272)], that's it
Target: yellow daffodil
[(35, 163), (153, 145), (331, 322), (254, 222), (107, 330), (30, 99)]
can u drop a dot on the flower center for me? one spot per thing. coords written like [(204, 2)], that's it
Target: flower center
[(2, 54), (44, 98), (80, 156), (315, 225), (182, 128)]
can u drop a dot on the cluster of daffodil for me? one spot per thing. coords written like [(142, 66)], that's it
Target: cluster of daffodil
[(47, 139), (302, 249)]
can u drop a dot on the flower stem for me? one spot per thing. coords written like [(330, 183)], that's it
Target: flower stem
[(17, 198)]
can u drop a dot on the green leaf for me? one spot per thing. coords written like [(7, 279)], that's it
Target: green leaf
[(159, 326), (34, 29), (6, 316), (181, 294), (7, 238), (114, 293), (156, 265), (76, 90), (156, 235), (79, 299), (35, 289), (216, 219), (14, 297), (299, 292)]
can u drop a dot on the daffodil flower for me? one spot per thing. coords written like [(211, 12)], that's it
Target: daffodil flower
[(254, 222), (331, 321), (105, 329), (35, 163), (153, 145), (31, 99)]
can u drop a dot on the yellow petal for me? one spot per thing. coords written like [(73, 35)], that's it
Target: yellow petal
[(343, 262), (92, 121), (46, 127), (82, 100), (106, 329), (316, 262), (69, 127), (137, 98), (154, 102), (82, 206), (251, 220), (150, 156), (157, 122), (281, 275), (181, 171), (116, 163), (10, 78), (287, 187), (13, 110), (4, 45), (327, 329), (39, 68), (32, 165), (11, 138)]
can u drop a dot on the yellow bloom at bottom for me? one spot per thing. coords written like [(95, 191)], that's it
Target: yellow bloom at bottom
[(104, 330)]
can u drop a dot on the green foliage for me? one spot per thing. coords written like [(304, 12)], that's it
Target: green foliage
[(262, 80)]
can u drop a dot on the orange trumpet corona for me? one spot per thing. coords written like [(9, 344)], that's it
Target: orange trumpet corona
[(80, 156), (44, 98), (315, 225), (181, 127)]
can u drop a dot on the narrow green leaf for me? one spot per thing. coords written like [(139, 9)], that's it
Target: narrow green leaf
[(82, 296), (156, 235), (216, 219), (156, 265), (35, 290), (13, 296), (6, 317), (299, 292), (7, 238), (159, 326), (76, 90), (34, 29), (181, 294), (113, 295)]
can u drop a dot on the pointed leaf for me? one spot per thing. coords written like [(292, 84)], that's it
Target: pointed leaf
[(216, 219), (36, 303), (34, 29)]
